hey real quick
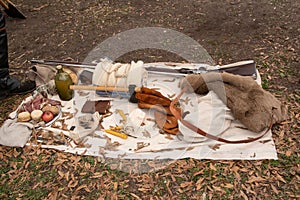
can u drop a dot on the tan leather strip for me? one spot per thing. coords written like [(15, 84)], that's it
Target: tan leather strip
[(2, 29), (177, 115)]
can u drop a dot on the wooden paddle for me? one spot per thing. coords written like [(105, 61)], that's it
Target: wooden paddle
[(11, 10)]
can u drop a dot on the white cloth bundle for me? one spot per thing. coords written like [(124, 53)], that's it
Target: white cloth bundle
[(15, 134), (119, 75)]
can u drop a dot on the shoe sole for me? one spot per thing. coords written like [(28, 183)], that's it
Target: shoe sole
[(17, 93), (21, 93)]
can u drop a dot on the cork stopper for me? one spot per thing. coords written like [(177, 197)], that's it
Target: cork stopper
[(58, 67)]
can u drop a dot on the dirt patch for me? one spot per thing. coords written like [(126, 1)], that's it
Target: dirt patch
[(229, 30)]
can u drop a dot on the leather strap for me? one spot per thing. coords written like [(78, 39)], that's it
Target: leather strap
[(2, 29), (176, 112)]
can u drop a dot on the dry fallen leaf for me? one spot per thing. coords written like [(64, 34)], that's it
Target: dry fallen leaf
[(199, 184), (135, 196), (253, 179), (212, 167), (215, 147), (186, 184)]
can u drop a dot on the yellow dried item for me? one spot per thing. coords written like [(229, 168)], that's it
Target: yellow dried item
[(115, 133), (24, 116), (53, 109)]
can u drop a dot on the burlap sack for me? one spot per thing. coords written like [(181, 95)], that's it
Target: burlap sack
[(42, 74), (249, 103)]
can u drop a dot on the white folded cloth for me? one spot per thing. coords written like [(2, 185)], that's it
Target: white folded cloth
[(15, 134), (119, 75), (211, 115)]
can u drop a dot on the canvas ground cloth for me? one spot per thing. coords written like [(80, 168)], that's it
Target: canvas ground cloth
[(151, 144)]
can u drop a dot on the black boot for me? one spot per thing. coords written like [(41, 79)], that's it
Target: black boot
[(9, 85), (3, 48)]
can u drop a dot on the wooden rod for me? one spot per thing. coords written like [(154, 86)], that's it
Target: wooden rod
[(4, 5), (103, 88)]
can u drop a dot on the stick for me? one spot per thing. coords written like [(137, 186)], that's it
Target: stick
[(11, 10), (104, 88)]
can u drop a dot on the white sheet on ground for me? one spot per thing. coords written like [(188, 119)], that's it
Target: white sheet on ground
[(207, 112)]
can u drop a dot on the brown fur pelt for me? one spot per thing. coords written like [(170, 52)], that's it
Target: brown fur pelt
[(249, 103)]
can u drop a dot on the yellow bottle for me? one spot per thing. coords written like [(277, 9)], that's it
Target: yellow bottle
[(62, 83)]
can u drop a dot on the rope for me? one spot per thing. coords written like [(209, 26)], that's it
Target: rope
[(113, 70)]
